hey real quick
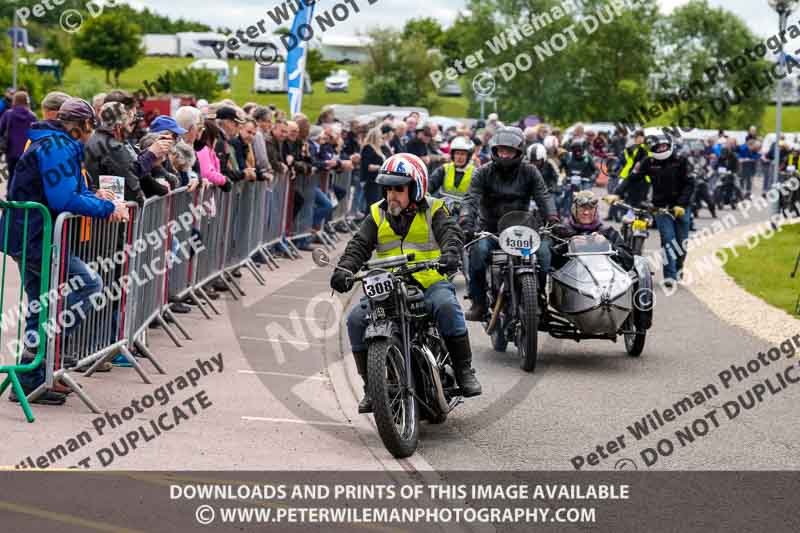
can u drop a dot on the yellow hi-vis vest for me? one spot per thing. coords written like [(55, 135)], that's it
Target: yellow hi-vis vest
[(419, 240), (792, 160), (630, 159), (450, 179)]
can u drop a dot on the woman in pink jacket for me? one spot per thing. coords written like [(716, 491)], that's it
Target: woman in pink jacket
[(209, 162)]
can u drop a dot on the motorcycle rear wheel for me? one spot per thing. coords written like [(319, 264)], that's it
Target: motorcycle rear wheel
[(528, 328), (395, 410)]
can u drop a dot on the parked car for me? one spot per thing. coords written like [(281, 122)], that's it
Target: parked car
[(338, 80), (451, 88)]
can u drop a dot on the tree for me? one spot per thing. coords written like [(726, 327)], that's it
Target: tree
[(598, 75), (58, 46), (694, 38), (426, 29), (199, 82), (110, 42), (282, 30), (396, 72), (317, 67)]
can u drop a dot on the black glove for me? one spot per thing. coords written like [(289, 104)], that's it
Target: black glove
[(469, 236), (341, 281), (562, 230), (448, 263)]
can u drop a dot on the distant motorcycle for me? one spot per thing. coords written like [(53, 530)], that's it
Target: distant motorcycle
[(702, 193), (727, 191)]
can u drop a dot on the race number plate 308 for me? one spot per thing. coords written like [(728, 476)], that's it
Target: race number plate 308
[(379, 286)]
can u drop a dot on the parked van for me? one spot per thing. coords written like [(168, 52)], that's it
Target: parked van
[(199, 45), (272, 79), (218, 67)]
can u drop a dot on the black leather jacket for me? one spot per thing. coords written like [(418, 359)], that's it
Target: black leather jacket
[(495, 191)]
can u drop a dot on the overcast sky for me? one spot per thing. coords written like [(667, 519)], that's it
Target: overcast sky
[(241, 13)]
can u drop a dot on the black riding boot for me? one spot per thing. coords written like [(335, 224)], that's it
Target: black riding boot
[(461, 354), (365, 405)]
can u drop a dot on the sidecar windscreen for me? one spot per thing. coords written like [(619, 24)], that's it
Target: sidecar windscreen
[(516, 218), (590, 244)]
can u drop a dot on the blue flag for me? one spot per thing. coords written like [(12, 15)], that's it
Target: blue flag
[(296, 59)]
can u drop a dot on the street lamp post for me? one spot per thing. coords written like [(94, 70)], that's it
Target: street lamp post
[(14, 42), (784, 9)]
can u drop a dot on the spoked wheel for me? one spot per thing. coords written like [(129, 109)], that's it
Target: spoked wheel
[(498, 336), (394, 407), (634, 342), (528, 328)]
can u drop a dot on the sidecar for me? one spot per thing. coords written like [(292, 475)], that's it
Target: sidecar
[(593, 297)]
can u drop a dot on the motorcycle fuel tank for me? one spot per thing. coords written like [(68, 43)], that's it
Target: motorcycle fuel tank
[(592, 291)]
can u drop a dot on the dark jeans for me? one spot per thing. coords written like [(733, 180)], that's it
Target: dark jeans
[(446, 311), (86, 283), (673, 232), (323, 207)]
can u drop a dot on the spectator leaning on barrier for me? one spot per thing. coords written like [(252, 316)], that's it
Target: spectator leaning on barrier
[(243, 149), (169, 128), (229, 123), (191, 119), (207, 157), (50, 173), (107, 153), (159, 181), (14, 126), (263, 118), (275, 146)]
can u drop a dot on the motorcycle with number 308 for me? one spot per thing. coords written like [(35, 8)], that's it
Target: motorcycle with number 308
[(409, 370)]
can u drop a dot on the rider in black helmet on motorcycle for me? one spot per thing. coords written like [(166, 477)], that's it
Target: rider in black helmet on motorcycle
[(503, 185)]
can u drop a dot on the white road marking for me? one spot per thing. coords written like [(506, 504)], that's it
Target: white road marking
[(281, 341), (293, 421), (301, 298), (284, 374), (270, 315)]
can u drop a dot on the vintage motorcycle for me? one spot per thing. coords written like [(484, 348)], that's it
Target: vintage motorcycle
[(727, 191), (635, 225), (511, 282), (589, 297), (409, 370), (593, 297)]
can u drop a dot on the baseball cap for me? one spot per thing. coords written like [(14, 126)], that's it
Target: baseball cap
[(228, 113), (54, 100), (167, 123)]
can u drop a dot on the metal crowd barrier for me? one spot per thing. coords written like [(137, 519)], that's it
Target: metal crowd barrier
[(137, 267), (31, 210), (86, 335), (342, 181)]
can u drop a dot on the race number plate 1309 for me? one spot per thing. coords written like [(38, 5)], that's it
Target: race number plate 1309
[(378, 286)]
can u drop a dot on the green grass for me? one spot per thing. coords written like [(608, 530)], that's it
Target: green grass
[(242, 84), (764, 270), (790, 119)]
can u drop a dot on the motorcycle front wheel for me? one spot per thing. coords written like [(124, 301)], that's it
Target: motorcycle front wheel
[(394, 406), (634, 342), (528, 328)]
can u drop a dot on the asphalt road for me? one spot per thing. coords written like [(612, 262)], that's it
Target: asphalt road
[(583, 395)]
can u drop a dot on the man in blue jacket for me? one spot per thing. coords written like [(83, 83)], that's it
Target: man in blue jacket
[(50, 172)]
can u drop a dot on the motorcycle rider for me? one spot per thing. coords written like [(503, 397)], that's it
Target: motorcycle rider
[(672, 190), (454, 177), (700, 168), (577, 161), (407, 220), (585, 219), (503, 185), (634, 154)]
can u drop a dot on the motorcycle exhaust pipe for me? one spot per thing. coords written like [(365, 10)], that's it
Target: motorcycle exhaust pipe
[(444, 407), (496, 311)]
